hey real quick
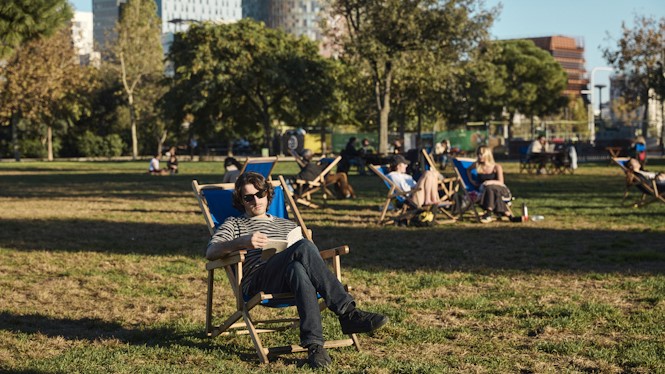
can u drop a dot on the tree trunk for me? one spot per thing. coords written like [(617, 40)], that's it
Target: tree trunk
[(49, 142), (15, 145), (132, 122), (384, 108), (324, 146), (420, 128), (161, 140), (229, 146)]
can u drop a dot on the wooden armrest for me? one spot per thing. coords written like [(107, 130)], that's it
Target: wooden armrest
[(230, 259), (337, 251)]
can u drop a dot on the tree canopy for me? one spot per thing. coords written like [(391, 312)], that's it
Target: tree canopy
[(639, 56), (381, 32), (136, 55), (26, 20), (237, 76)]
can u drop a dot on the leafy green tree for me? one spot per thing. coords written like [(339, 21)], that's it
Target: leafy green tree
[(43, 82), (380, 32), (24, 20), (136, 56), (232, 77), (637, 55), (533, 80)]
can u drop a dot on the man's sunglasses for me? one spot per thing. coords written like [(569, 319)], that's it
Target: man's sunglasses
[(250, 198)]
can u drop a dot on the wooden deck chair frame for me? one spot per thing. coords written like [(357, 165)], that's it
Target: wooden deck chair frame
[(394, 193), (241, 322), (649, 190), (261, 165), (447, 185), (304, 190)]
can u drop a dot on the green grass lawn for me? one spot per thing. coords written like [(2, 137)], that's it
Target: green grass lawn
[(101, 270)]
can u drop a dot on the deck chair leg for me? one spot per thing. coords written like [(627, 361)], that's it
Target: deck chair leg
[(356, 342), (260, 351), (383, 213), (211, 278)]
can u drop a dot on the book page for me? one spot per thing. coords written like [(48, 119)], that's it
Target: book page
[(277, 245)]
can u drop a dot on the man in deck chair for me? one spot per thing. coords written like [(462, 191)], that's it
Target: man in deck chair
[(299, 269)]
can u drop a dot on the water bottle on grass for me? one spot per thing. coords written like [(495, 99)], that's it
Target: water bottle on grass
[(537, 218)]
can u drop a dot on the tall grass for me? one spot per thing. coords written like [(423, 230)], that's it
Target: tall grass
[(101, 269)]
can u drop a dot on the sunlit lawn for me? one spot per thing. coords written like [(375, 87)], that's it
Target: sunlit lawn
[(101, 270)]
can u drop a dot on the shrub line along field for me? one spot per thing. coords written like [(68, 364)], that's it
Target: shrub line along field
[(101, 270)]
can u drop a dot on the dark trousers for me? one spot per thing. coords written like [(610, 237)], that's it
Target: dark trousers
[(300, 270)]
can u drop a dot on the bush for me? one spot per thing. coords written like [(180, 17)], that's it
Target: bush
[(91, 145), (32, 148)]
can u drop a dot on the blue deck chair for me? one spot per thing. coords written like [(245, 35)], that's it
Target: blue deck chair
[(215, 201), (261, 165), (462, 164)]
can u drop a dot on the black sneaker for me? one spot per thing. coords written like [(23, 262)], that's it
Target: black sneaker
[(486, 218), (317, 356), (358, 321)]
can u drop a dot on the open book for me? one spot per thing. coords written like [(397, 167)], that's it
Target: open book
[(277, 245)]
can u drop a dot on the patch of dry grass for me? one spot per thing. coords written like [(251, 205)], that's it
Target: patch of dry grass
[(101, 269)]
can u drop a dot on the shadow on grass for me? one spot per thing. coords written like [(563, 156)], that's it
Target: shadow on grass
[(443, 248), (94, 330)]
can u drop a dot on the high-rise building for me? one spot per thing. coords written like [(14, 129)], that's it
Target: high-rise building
[(176, 15), (82, 36), (297, 17), (569, 52)]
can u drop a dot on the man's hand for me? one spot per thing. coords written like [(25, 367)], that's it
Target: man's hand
[(256, 240)]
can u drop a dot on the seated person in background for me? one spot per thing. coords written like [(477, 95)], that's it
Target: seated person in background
[(366, 148), (638, 150), (536, 150), (172, 162), (427, 193), (398, 148), (299, 269), (440, 152), (154, 169), (635, 165), (232, 167), (490, 184), (310, 170), (352, 156)]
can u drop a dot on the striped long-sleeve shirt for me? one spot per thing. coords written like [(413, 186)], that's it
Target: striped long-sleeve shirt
[(235, 227)]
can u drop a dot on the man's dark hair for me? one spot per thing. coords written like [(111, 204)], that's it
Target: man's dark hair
[(255, 179)]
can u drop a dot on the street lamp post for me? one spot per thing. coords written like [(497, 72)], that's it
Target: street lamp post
[(591, 123), (600, 100)]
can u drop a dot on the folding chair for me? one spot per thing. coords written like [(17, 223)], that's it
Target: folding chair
[(526, 163), (261, 165), (446, 185), (215, 201), (396, 197), (650, 191), (465, 185), (304, 190)]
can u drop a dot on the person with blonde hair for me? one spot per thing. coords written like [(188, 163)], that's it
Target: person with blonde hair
[(490, 184)]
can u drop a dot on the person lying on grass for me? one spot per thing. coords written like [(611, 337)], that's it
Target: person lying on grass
[(299, 269)]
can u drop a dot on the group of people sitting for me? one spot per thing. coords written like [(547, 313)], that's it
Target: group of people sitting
[(171, 163)]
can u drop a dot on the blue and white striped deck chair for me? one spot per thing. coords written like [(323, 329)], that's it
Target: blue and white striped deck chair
[(261, 165), (396, 197), (215, 201)]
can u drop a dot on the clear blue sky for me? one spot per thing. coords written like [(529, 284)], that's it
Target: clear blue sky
[(589, 19)]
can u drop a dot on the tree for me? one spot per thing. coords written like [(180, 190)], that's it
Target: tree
[(235, 76), (26, 20), (42, 82), (533, 80), (380, 32), (136, 55), (637, 54)]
